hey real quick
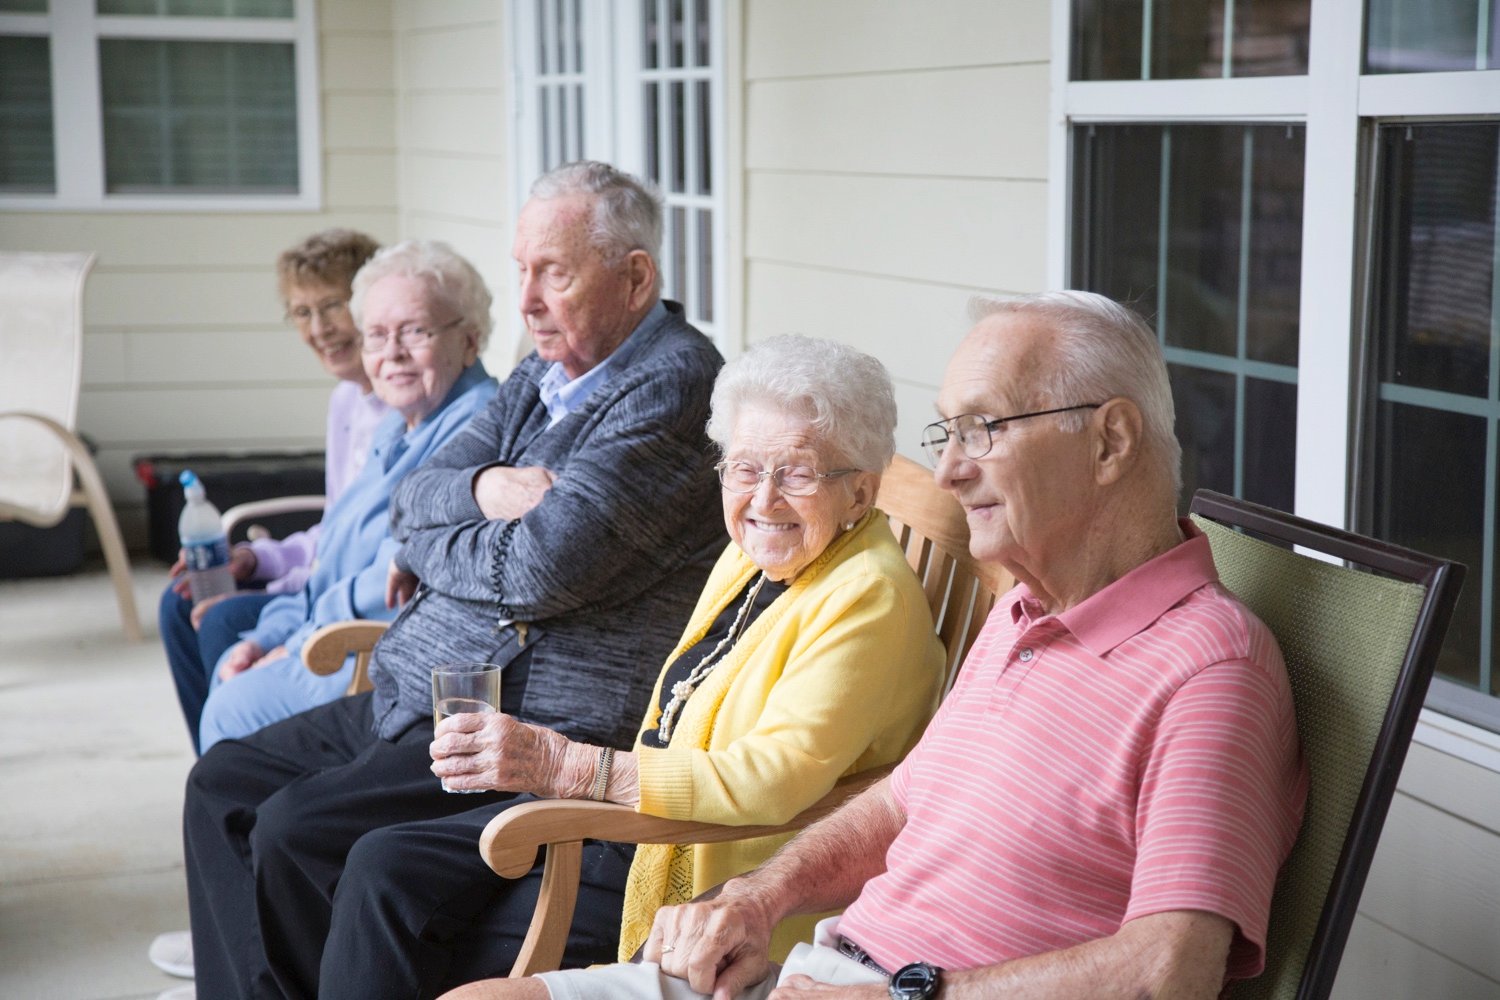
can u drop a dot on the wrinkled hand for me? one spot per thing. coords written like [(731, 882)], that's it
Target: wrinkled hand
[(239, 659), (505, 494), (399, 586), (804, 988), (720, 946), (491, 751), (279, 653), (201, 608)]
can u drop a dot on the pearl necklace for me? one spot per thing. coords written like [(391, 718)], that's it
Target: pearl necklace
[(683, 689)]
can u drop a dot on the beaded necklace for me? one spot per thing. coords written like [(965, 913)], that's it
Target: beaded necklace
[(683, 689)]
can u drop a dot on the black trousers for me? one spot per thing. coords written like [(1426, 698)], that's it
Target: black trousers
[(325, 862)]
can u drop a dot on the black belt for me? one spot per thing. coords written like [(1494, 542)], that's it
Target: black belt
[(849, 949)]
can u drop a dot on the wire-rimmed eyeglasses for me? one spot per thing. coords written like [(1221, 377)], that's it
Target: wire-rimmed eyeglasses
[(973, 431), (411, 336), (792, 480), (327, 311)]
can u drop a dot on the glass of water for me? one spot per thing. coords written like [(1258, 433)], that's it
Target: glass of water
[(458, 688)]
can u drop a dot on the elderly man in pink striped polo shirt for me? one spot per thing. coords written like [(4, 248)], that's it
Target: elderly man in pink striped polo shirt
[(1102, 803)]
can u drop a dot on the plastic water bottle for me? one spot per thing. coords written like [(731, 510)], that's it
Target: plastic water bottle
[(204, 544)]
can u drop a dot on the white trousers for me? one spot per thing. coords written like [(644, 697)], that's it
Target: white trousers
[(820, 960)]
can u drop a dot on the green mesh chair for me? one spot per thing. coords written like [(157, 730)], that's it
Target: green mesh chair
[(1360, 646)]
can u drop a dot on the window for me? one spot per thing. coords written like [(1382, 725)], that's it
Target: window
[(1300, 195), (158, 103), (1198, 228), (635, 83)]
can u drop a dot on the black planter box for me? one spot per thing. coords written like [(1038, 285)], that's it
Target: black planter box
[(29, 551), (228, 480)]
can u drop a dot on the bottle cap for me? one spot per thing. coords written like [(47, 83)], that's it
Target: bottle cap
[(188, 479)]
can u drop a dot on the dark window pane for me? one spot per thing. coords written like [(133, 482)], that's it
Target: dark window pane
[(543, 54), (653, 138), (700, 33), (677, 30), (1116, 212), (1106, 40), (1187, 39), (1436, 252), (26, 157), (23, 6), (198, 116), (1203, 236), (652, 30), (1205, 426), (1431, 36), (1428, 491), (1273, 299), (1270, 442), (705, 303), (1270, 37), (678, 237), (198, 8), (678, 139), (705, 139)]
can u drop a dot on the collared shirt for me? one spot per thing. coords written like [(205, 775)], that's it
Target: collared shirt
[(1135, 754), (562, 395)]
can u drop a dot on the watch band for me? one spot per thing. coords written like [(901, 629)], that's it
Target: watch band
[(917, 981)]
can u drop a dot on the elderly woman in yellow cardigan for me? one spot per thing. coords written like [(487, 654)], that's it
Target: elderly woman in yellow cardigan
[(810, 655)]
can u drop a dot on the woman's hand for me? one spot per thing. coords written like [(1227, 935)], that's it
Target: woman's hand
[(720, 946), (239, 659), (491, 751), (399, 586), (201, 608)]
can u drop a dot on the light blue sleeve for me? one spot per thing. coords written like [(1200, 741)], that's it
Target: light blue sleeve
[(361, 595), (279, 619)]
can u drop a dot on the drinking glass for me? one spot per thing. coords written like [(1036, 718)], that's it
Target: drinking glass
[(464, 687)]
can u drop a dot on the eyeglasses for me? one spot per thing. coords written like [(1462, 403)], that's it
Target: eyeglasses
[(792, 480), (326, 311), (410, 336), (973, 432)]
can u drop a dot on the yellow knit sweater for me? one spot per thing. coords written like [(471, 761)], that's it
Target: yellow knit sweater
[(838, 675)]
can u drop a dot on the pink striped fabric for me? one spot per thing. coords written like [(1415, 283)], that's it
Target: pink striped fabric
[(1134, 755)]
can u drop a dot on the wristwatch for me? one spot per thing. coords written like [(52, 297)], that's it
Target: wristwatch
[(917, 981)]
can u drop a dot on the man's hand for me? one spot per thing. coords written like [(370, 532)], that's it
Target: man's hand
[(242, 563), (803, 988), (201, 608), (491, 751), (720, 946), (505, 493), (239, 659), (399, 586)]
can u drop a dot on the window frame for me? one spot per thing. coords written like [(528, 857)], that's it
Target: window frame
[(1340, 106), (613, 77), (75, 31)]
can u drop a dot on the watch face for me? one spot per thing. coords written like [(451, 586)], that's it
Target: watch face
[(916, 981)]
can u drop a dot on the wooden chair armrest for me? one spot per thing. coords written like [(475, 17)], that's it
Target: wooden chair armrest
[(232, 517), (510, 840), (326, 650)]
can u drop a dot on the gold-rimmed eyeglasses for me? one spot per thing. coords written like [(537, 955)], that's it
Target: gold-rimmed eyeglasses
[(411, 336), (793, 480)]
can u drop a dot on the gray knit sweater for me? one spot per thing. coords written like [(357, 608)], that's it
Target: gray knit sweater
[(603, 572)]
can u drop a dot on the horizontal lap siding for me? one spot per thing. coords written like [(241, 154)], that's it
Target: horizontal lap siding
[(184, 345), (895, 165), (455, 171)]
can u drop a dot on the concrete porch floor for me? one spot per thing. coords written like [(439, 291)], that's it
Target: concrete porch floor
[(93, 754)]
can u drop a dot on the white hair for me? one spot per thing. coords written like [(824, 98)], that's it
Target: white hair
[(449, 278), (627, 210), (845, 395), (1102, 350)]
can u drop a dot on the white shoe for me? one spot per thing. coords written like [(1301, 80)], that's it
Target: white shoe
[(185, 992), (172, 953)]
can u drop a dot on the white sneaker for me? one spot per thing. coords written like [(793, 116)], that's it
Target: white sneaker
[(185, 992), (172, 953)]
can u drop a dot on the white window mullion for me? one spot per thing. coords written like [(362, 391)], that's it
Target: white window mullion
[(78, 132), (1325, 363)]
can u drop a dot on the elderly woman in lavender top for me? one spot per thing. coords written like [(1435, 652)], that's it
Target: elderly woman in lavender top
[(314, 279)]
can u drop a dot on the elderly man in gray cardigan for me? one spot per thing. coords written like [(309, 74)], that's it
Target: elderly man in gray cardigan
[(566, 534)]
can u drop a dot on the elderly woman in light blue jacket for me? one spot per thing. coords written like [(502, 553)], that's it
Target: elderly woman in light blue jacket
[(424, 315)]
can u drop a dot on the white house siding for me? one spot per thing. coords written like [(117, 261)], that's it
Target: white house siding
[(454, 160), (895, 165), (185, 348)]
